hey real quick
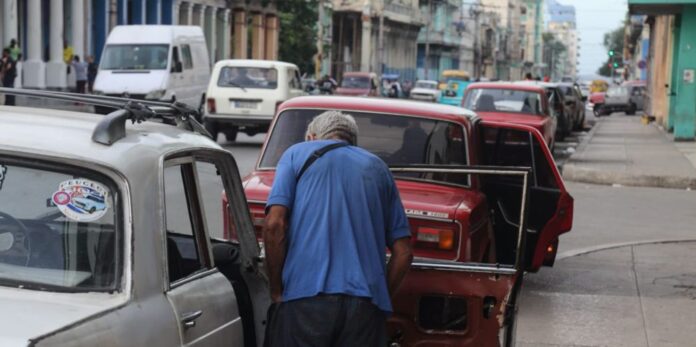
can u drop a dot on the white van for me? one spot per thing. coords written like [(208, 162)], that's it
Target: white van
[(243, 95), (155, 62)]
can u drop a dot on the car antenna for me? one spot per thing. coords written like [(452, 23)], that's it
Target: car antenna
[(113, 127)]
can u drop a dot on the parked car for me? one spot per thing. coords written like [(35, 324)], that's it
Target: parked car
[(575, 102), (243, 95), (154, 62), (626, 98), (456, 82), (426, 90), (145, 268), (359, 84), (513, 103), (463, 285), (557, 107)]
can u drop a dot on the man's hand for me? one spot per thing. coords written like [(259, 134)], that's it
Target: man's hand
[(399, 263), (275, 245)]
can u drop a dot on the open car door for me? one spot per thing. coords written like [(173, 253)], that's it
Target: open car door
[(551, 206), (448, 303)]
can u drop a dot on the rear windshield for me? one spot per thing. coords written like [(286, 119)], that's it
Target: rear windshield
[(248, 77), (503, 100), (426, 85), (357, 82), (617, 91), (398, 140), (135, 57), (58, 229)]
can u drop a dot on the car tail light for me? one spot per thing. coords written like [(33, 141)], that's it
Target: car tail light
[(435, 239), (258, 216), (211, 105)]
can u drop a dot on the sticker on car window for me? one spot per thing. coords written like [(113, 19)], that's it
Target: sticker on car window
[(81, 200), (3, 171)]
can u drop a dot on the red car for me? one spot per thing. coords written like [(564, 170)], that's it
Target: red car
[(513, 103), (484, 200), (359, 84)]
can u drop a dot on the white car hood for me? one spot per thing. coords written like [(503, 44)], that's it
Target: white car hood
[(423, 91), (118, 82), (28, 314)]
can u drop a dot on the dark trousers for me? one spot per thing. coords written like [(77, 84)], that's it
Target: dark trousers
[(327, 321), (9, 99), (81, 86)]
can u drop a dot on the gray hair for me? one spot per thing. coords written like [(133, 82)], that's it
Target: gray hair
[(334, 123)]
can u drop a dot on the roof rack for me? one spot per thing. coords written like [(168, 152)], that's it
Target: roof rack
[(113, 127)]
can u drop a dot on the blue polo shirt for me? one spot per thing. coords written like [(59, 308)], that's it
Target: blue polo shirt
[(344, 212)]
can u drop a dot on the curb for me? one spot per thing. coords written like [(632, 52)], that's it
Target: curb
[(594, 249)]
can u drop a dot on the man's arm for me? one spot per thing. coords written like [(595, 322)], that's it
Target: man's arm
[(399, 263), (275, 244)]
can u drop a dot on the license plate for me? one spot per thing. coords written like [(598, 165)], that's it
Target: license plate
[(244, 104)]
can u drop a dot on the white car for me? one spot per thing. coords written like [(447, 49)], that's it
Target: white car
[(243, 95), (426, 90)]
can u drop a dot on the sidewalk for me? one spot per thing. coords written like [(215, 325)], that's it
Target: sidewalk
[(622, 150)]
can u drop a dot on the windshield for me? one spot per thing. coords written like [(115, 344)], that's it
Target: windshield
[(426, 85), (248, 77), (135, 57), (358, 82), (617, 91), (398, 140), (58, 229), (503, 100)]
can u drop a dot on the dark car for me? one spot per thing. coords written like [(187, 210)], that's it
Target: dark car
[(558, 107), (575, 102)]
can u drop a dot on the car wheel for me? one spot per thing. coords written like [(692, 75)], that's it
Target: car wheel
[(212, 128), (631, 109)]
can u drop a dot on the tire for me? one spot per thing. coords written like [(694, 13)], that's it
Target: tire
[(212, 128), (631, 109)]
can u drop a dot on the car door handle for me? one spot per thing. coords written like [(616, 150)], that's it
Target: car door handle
[(189, 319)]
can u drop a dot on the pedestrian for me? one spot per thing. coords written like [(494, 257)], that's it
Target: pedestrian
[(92, 69), (8, 72), (332, 211), (80, 73), (528, 76), (14, 50)]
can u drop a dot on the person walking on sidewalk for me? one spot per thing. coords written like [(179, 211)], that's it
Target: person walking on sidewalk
[(333, 210), (92, 69), (8, 72), (80, 74), (14, 50)]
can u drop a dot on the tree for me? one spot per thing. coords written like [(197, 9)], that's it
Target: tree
[(613, 41), (298, 35)]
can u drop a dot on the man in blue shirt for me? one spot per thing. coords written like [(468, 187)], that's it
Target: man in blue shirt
[(329, 221)]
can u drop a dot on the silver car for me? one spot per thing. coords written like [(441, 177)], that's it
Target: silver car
[(140, 265), (625, 98)]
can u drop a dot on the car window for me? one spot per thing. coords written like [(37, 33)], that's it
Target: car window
[(59, 228), (248, 77), (357, 82), (398, 140), (184, 247), (503, 100), (293, 81), (212, 189), (135, 57), (509, 147), (186, 57)]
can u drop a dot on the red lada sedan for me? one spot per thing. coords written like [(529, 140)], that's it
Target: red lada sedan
[(484, 200), (513, 103)]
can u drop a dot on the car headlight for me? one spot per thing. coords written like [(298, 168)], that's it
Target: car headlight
[(155, 94)]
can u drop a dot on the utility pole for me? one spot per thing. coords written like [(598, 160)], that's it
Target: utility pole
[(380, 39), (426, 62), (320, 41)]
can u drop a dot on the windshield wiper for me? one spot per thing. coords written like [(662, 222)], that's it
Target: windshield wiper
[(235, 84)]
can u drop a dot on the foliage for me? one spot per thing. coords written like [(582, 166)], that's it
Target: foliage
[(613, 41), (298, 37)]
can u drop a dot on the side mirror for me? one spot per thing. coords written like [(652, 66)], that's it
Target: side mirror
[(177, 67)]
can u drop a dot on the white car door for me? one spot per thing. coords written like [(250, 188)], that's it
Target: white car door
[(202, 299)]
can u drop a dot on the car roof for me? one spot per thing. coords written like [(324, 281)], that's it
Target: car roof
[(68, 135), (538, 83), (381, 105), (427, 81), (144, 34), (507, 85), (359, 73), (254, 63)]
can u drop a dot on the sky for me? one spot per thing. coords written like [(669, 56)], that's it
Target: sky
[(593, 19)]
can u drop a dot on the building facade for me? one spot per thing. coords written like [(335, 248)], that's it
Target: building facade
[(439, 40), (375, 36), (532, 26), (508, 51), (561, 22), (44, 28)]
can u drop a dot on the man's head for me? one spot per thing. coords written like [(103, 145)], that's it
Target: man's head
[(90, 58), (5, 52), (76, 58), (13, 43), (333, 125)]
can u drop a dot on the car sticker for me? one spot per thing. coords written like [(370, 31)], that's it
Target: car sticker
[(3, 171), (81, 200)]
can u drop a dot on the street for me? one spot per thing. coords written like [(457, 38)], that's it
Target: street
[(614, 282)]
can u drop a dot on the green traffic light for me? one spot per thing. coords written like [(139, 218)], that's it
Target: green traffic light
[(616, 64), (611, 53)]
